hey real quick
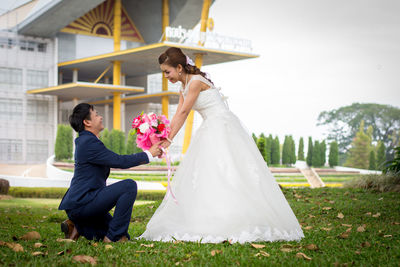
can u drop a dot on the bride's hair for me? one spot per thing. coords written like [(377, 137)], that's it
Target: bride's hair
[(174, 56)]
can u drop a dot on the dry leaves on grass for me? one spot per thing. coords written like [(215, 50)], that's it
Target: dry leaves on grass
[(37, 253), (361, 228), (340, 215), (327, 208), (301, 255), (85, 259), (344, 235), (346, 225), (14, 246), (365, 244), (108, 246), (376, 215), (65, 240), (312, 247), (308, 227), (215, 252), (326, 228), (257, 246), (30, 236), (262, 253), (147, 245)]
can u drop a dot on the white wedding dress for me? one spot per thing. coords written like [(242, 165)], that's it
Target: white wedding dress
[(223, 186)]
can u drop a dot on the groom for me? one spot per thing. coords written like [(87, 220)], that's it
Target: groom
[(88, 200)]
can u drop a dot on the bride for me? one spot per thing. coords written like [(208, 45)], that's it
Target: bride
[(223, 187)]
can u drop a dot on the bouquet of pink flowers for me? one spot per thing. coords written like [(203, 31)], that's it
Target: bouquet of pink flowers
[(150, 129)]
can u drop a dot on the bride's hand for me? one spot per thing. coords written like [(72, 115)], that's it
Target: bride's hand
[(165, 143)]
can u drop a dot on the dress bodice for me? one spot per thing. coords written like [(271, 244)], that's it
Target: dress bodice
[(209, 102)]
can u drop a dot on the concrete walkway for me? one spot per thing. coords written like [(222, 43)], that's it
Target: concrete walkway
[(32, 170)]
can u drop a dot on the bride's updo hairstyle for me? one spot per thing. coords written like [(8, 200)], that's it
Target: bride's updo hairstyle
[(174, 56)]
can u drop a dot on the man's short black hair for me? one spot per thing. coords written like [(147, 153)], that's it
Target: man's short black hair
[(81, 112)]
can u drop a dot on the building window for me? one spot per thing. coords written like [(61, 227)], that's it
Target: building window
[(42, 47), (10, 150), (10, 79), (37, 79), (38, 110), (36, 150), (10, 109)]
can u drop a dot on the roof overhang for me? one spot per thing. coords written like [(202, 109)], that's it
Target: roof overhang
[(173, 98), (84, 90), (141, 61)]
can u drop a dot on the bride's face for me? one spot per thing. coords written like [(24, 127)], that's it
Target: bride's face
[(171, 73)]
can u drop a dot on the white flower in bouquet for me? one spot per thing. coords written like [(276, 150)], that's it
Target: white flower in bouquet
[(144, 127)]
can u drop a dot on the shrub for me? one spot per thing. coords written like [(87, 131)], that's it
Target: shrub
[(300, 154), (333, 154), (375, 182), (261, 146), (117, 140), (393, 166), (372, 164), (105, 138), (276, 152), (131, 146), (4, 186), (309, 152), (63, 146)]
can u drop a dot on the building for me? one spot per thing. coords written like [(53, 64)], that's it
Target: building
[(57, 53)]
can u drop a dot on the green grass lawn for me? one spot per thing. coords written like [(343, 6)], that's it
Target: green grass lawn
[(367, 235)]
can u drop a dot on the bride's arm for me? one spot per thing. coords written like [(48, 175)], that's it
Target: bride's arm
[(182, 112)]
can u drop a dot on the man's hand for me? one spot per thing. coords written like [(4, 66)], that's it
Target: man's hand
[(155, 149)]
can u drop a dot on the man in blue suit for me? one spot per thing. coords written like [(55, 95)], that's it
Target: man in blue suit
[(88, 200)]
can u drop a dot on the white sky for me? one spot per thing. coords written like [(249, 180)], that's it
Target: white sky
[(315, 55)]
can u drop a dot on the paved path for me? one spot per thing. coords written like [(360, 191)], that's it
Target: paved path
[(32, 170)]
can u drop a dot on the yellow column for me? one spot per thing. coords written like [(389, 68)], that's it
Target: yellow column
[(198, 62), (165, 23), (117, 25), (117, 96), (117, 66)]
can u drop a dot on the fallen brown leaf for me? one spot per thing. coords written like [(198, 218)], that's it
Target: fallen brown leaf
[(387, 236), (396, 223), (147, 246), (361, 228), (31, 236), (60, 253), (308, 227), (140, 251), (357, 252), (286, 249), (312, 247), (95, 244), (37, 253), (301, 255), (216, 251), (340, 215), (287, 246), (262, 253), (311, 216), (347, 225), (368, 213), (64, 240), (15, 246), (376, 215), (366, 244), (84, 259), (327, 208), (38, 245), (344, 235), (108, 246), (326, 228), (348, 230), (257, 246)]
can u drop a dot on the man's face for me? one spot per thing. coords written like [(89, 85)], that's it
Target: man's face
[(96, 121)]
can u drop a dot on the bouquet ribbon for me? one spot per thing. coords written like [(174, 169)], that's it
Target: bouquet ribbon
[(169, 175)]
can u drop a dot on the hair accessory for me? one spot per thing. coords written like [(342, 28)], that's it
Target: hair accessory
[(189, 61)]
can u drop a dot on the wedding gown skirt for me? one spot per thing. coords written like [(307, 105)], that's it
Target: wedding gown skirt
[(223, 187)]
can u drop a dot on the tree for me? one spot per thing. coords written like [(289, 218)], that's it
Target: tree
[(372, 164), (63, 146), (381, 155), (261, 145), (286, 151), (268, 148), (300, 153), (333, 154), (275, 153), (292, 150), (254, 138), (344, 124), (131, 146), (359, 152), (117, 141), (309, 152), (323, 153), (316, 154), (105, 138)]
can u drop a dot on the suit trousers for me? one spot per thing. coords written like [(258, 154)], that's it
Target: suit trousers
[(93, 219)]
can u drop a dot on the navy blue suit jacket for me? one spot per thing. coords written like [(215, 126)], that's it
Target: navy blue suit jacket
[(92, 167)]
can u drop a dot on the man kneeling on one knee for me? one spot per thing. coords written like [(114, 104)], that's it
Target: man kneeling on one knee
[(88, 199)]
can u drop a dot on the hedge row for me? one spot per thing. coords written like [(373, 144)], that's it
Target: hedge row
[(56, 192)]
